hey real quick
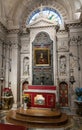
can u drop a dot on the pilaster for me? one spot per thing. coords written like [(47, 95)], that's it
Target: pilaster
[(8, 64), (15, 66)]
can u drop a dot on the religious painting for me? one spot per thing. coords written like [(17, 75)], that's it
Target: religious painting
[(41, 56)]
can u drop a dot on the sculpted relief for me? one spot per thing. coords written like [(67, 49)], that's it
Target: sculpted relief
[(26, 65), (62, 65), (63, 45)]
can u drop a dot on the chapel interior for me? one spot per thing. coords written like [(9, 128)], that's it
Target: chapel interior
[(41, 61)]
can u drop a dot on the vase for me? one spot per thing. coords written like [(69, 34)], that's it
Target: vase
[(25, 106), (79, 98)]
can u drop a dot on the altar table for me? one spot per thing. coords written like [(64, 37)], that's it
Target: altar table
[(42, 96)]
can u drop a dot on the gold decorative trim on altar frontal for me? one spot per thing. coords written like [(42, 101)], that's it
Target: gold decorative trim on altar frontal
[(41, 57)]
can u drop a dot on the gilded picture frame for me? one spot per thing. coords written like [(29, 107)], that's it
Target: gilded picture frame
[(41, 56)]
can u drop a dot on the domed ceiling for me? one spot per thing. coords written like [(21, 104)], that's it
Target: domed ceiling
[(16, 12)]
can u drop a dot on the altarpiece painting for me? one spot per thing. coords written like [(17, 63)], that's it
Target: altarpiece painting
[(41, 56)]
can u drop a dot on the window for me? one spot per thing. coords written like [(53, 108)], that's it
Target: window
[(49, 13)]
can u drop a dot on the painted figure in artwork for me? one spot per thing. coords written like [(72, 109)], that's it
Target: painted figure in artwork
[(42, 60)]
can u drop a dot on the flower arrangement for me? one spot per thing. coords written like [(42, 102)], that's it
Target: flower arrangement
[(26, 98), (7, 92), (78, 92)]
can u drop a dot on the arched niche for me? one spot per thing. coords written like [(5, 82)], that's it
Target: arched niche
[(26, 66), (62, 64), (42, 47)]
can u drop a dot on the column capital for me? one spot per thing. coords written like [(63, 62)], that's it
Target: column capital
[(16, 45)]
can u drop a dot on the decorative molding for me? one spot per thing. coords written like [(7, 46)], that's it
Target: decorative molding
[(76, 40), (14, 31), (16, 45), (42, 37), (63, 79), (3, 32), (62, 31), (62, 45), (3, 28), (57, 6), (74, 25), (41, 23), (40, 91), (25, 32)]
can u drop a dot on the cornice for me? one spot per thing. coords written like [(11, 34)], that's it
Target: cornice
[(41, 23), (62, 31), (13, 31), (74, 25)]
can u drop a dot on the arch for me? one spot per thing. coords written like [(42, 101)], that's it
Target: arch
[(21, 9), (20, 12), (48, 12), (42, 37), (56, 6)]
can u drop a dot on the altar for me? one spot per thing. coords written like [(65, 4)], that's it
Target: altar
[(42, 96)]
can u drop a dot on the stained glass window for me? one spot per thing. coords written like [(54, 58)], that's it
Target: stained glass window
[(49, 13)]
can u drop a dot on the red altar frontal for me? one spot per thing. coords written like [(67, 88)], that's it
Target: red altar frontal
[(42, 96)]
